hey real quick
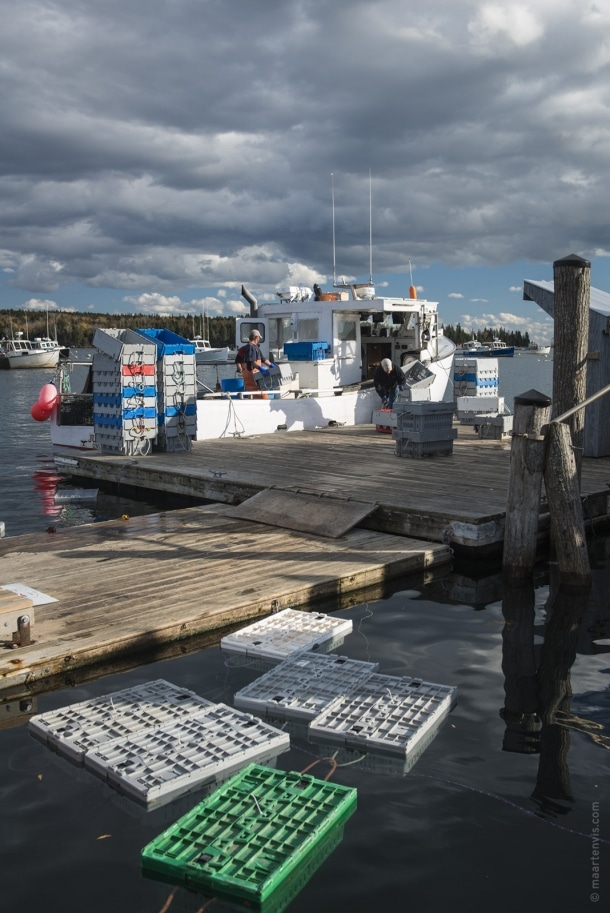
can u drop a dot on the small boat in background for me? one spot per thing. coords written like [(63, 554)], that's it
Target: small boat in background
[(41, 352), (494, 349), (206, 354), (535, 349)]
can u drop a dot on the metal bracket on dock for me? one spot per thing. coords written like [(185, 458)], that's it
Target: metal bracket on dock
[(18, 625), (16, 619)]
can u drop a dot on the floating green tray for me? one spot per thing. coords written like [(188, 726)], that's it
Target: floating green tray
[(244, 840)]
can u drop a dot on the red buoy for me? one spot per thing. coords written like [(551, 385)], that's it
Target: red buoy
[(40, 413), (48, 395)]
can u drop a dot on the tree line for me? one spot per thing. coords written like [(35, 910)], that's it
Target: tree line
[(459, 335), (76, 330)]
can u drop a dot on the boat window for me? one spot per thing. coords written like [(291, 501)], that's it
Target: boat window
[(308, 329), (246, 328), (346, 330)]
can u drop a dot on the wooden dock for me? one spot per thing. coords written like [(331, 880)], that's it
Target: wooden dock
[(130, 591), (300, 518), (458, 500)]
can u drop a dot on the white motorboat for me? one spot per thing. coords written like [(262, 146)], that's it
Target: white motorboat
[(206, 354), (535, 348), (17, 352)]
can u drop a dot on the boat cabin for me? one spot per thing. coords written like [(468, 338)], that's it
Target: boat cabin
[(356, 332)]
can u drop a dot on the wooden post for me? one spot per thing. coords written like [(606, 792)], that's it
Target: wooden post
[(572, 282), (565, 507), (532, 411)]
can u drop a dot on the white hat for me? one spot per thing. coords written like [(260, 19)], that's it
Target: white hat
[(386, 364)]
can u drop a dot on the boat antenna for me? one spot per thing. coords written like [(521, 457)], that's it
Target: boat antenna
[(332, 185), (412, 289), (370, 230)]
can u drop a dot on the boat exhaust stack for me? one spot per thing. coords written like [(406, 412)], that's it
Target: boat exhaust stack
[(251, 301)]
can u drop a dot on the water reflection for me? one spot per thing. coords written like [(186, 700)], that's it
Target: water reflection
[(537, 709)]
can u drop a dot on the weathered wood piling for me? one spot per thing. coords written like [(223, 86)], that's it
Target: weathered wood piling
[(553, 451), (532, 412)]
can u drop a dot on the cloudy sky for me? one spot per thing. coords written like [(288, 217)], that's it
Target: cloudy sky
[(156, 154)]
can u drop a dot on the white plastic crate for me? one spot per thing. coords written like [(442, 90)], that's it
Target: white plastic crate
[(74, 730), (481, 403), (155, 766), (302, 686), (384, 714), (279, 636), (125, 345)]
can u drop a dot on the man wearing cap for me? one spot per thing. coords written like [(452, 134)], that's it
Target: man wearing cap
[(253, 360), (388, 380), (253, 356)]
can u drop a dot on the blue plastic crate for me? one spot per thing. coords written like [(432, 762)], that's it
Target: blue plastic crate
[(232, 384), (140, 412), (169, 343), (305, 351), (172, 411)]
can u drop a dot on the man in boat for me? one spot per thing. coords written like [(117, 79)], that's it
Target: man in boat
[(240, 358), (388, 380), (253, 361)]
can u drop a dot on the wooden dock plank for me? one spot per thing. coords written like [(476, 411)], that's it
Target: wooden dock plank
[(126, 586), (460, 499)]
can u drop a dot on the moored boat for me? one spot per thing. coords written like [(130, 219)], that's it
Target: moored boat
[(495, 349), (208, 354), (325, 348), (535, 348), (17, 352)]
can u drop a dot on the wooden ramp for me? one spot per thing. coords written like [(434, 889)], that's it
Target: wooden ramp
[(305, 513), (126, 587)]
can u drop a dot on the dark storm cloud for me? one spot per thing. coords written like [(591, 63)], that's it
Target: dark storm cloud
[(188, 143)]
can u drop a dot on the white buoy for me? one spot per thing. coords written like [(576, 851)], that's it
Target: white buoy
[(2, 530)]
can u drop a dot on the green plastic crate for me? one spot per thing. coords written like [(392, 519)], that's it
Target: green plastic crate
[(253, 836)]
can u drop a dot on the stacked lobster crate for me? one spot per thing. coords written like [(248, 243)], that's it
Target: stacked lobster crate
[(124, 392), (476, 386), (176, 390)]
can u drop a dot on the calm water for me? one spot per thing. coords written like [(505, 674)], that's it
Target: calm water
[(490, 817)]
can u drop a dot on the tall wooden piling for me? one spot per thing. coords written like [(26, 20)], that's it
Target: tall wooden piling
[(572, 282), (532, 412), (565, 507)]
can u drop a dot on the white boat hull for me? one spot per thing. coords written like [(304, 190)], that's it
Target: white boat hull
[(212, 356), (30, 360), (224, 417)]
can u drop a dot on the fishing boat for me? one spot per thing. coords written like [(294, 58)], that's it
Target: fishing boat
[(20, 352), (535, 348), (494, 349), (325, 347), (206, 354)]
